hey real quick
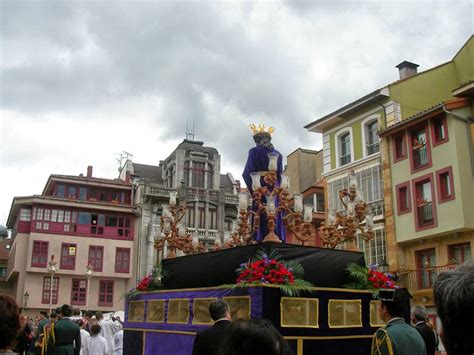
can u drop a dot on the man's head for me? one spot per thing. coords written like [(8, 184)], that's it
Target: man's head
[(263, 139), (9, 322), (394, 303), (454, 298), (95, 329), (99, 316), (53, 316), (89, 314), (43, 315), (419, 314), (66, 310), (219, 309), (76, 312)]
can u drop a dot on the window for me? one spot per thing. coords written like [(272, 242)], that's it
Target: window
[(439, 130), (82, 193), (124, 227), (213, 214), (372, 137), (202, 217), (39, 214), (122, 260), (68, 256), (25, 215), (45, 297), (460, 253), (39, 257), (444, 178), (425, 206), (345, 151), (60, 191), (106, 293), (110, 221), (3, 271), (197, 174), (399, 147), (376, 249), (71, 192), (79, 291), (84, 218), (319, 202), (420, 149), (97, 223), (190, 215), (425, 260), (96, 257), (403, 198)]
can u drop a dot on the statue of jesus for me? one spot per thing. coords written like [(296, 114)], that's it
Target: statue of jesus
[(257, 161)]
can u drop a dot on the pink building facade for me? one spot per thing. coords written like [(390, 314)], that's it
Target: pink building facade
[(79, 222)]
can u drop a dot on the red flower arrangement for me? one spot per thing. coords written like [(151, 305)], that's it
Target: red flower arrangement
[(266, 270), (144, 283), (380, 280)]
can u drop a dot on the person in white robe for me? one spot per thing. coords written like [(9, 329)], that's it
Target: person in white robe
[(84, 337), (118, 342), (108, 329), (96, 344)]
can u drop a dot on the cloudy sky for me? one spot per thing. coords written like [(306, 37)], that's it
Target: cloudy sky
[(81, 81)]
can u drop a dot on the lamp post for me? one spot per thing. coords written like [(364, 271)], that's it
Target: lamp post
[(51, 270), (89, 271), (26, 296), (383, 266)]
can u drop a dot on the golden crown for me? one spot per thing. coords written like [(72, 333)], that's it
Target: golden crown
[(261, 129)]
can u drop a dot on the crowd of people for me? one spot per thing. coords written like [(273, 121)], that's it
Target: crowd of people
[(63, 332), (67, 332)]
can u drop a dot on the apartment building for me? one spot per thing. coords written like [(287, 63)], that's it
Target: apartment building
[(86, 227)]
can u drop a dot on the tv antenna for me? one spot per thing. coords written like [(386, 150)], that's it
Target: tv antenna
[(121, 157), (190, 131)]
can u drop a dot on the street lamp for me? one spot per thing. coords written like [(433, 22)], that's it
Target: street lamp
[(51, 270), (26, 296), (88, 272), (383, 266)]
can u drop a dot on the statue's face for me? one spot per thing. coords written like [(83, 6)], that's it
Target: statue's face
[(263, 138)]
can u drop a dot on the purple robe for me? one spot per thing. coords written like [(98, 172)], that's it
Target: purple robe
[(257, 160)]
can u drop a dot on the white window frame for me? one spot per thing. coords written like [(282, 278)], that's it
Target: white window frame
[(337, 144), (364, 125)]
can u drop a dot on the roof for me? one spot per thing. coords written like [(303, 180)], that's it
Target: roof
[(307, 151), (197, 146), (434, 110), (226, 182), (90, 179), (149, 172), (349, 108)]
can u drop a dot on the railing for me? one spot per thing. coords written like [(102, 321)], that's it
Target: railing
[(190, 193), (201, 233), (373, 148), (214, 195), (425, 214), (420, 156), (159, 191), (233, 199), (345, 159), (423, 278)]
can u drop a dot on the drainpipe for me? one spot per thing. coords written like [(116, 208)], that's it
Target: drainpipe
[(468, 120)]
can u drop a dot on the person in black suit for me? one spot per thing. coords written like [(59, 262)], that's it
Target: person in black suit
[(419, 318), (210, 341)]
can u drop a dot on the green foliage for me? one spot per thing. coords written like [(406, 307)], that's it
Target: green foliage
[(359, 275)]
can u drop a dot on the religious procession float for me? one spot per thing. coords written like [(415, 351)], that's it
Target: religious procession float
[(320, 299)]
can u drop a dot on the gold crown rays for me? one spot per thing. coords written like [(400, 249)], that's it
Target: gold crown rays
[(261, 129)]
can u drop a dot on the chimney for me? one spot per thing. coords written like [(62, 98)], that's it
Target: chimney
[(127, 176), (406, 69), (89, 171)]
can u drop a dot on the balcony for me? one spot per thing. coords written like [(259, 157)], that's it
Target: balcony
[(422, 279), (232, 199), (158, 191), (201, 233), (373, 148), (425, 214), (420, 156), (344, 159)]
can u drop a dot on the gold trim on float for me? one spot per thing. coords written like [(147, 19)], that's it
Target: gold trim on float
[(161, 331), (374, 325), (299, 326), (359, 325), (133, 320), (332, 337), (299, 346), (194, 313), (162, 320), (168, 315), (241, 297), (261, 285)]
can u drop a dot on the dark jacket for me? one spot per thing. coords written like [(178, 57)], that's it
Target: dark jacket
[(210, 341), (428, 336), (67, 337)]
